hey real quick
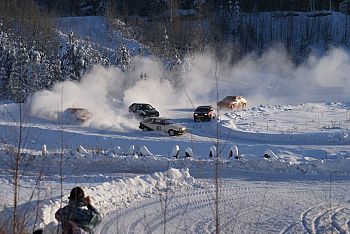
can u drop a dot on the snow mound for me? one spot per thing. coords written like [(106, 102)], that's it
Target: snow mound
[(110, 196)]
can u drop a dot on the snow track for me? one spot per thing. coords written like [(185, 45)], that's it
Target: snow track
[(290, 192), (323, 219), (320, 220), (245, 207)]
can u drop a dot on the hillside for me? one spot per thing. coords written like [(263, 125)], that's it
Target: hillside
[(279, 165)]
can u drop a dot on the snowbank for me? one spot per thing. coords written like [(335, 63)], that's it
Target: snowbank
[(109, 197)]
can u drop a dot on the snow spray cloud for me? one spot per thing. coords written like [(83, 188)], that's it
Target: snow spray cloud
[(190, 88), (271, 78), (92, 93)]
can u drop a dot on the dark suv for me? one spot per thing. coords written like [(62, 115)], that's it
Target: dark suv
[(143, 110), (204, 113)]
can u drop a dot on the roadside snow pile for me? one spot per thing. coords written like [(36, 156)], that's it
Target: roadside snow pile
[(269, 162), (75, 163), (291, 119), (275, 164), (111, 196), (82, 162)]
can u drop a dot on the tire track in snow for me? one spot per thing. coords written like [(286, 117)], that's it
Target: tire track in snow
[(339, 220), (191, 211), (196, 205), (190, 206), (109, 223), (319, 219)]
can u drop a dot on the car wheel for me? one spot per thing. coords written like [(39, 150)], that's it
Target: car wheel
[(171, 132), (148, 129), (145, 128)]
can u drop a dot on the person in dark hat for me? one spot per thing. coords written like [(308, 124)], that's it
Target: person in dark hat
[(79, 216)]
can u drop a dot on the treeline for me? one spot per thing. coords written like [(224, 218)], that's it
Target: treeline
[(34, 56), (156, 7), (25, 68)]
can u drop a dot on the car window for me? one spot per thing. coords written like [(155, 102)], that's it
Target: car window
[(231, 99), (148, 107), (203, 109), (168, 121), (159, 121), (149, 120)]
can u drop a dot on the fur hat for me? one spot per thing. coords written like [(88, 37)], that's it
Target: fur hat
[(77, 194)]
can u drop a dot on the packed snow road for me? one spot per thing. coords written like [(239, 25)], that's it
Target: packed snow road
[(255, 205), (326, 136)]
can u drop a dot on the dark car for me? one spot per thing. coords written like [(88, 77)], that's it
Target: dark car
[(204, 113), (143, 110)]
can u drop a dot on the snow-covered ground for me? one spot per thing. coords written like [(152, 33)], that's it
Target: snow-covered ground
[(297, 116), (303, 187)]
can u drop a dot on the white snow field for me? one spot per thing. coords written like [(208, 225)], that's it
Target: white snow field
[(298, 116), (303, 188)]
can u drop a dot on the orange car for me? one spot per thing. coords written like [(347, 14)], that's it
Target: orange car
[(76, 114), (232, 102)]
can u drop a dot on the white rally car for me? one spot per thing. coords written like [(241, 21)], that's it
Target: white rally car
[(163, 125)]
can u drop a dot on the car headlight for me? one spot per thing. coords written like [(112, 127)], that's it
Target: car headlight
[(205, 114), (195, 114), (183, 129)]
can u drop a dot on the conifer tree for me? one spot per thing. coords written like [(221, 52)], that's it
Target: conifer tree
[(124, 59), (72, 62)]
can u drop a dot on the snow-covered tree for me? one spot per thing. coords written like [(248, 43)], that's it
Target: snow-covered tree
[(72, 60), (92, 7), (20, 77), (344, 6), (236, 18), (166, 43), (6, 61), (45, 71), (35, 65), (124, 59), (223, 19), (7, 64)]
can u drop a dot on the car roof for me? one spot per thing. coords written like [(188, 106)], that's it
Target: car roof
[(76, 108), (162, 118), (138, 103), (204, 107)]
